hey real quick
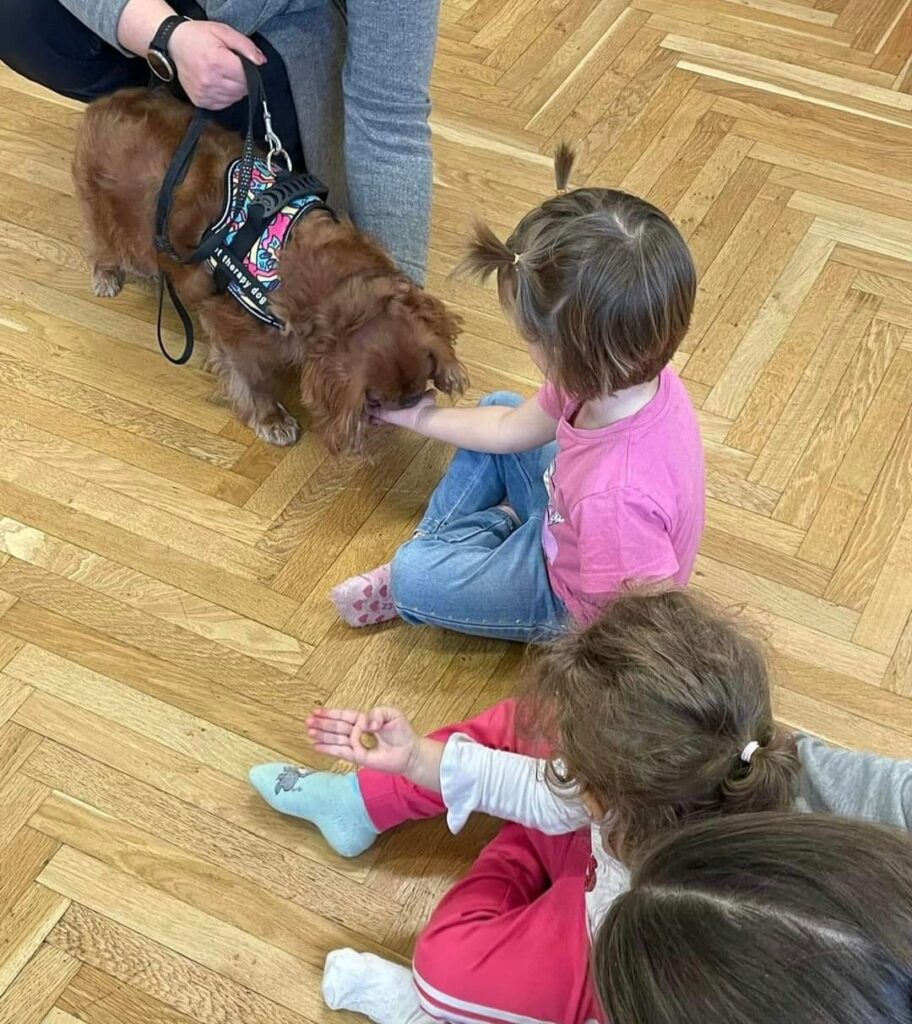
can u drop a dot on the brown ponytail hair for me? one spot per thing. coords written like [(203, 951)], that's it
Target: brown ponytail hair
[(763, 919), (650, 709), (601, 280)]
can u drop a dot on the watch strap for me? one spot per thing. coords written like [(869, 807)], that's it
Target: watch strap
[(162, 37)]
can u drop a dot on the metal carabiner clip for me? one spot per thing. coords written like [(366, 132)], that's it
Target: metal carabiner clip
[(276, 149)]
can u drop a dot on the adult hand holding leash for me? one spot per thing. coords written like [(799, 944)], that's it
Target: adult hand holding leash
[(208, 67), (202, 54)]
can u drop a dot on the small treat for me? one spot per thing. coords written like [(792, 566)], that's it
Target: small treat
[(368, 740)]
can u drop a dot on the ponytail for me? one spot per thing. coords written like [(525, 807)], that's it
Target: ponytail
[(661, 709), (486, 253), (601, 282), (564, 158), (766, 778)]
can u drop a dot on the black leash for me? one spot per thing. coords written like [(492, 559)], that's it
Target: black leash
[(229, 258)]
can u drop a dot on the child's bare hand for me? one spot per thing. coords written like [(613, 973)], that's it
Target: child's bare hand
[(381, 738), (409, 418)]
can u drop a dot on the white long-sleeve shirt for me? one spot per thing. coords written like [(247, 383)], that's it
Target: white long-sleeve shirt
[(512, 787)]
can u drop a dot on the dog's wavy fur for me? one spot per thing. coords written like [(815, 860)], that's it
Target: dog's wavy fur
[(357, 331)]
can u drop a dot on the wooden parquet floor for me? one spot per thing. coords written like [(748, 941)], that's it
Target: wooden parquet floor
[(163, 576)]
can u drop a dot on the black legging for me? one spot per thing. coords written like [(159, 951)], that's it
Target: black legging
[(43, 41)]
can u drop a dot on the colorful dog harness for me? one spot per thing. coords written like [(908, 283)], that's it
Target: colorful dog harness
[(262, 205), (246, 262)]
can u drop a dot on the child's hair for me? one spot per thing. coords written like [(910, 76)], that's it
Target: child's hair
[(656, 710), (602, 281), (763, 919)]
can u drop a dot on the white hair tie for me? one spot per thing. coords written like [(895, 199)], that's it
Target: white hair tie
[(748, 752)]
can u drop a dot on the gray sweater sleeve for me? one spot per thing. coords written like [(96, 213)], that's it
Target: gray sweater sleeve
[(855, 784), (247, 16), (101, 16)]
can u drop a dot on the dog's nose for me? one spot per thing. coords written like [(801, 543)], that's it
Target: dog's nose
[(407, 401)]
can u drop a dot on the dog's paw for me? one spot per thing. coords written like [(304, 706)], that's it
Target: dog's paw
[(107, 283), (279, 428)]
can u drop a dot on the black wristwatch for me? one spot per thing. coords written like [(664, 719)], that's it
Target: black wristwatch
[(157, 56)]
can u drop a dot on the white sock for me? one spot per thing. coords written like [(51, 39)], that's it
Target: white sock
[(364, 983)]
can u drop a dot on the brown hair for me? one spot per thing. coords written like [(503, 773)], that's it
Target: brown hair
[(649, 710), (600, 279), (763, 919)]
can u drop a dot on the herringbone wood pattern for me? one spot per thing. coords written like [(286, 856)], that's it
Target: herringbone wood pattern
[(163, 576)]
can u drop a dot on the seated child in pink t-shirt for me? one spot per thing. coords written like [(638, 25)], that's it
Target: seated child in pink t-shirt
[(554, 504)]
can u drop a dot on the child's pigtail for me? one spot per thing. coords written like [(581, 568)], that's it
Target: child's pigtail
[(764, 775), (486, 253), (564, 157)]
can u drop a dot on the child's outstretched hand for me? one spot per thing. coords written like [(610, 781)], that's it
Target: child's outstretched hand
[(408, 418), (382, 739)]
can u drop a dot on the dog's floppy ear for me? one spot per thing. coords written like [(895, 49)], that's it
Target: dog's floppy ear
[(450, 375), (333, 375), (444, 323), (332, 387)]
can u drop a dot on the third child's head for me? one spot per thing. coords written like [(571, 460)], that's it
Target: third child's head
[(763, 919), (660, 714), (600, 283)]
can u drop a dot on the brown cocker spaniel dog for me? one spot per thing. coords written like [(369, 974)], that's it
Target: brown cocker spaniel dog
[(357, 331)]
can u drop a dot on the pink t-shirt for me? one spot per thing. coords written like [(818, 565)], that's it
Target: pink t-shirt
[(626, 502)]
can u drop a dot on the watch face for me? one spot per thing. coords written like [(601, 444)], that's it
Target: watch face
[(160, 65)]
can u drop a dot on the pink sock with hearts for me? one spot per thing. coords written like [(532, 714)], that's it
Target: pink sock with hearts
[(365, 600)]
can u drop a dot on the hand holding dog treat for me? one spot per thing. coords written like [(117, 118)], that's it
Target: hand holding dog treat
[(382, 739)]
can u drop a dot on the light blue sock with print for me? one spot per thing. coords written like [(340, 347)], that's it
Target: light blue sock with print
[(331, 802)]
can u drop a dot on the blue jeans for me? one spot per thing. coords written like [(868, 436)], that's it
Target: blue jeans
[(471, 567)]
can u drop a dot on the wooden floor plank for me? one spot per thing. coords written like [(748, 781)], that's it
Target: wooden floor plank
[(236, 954), (317, 879), (821, 459), (843, 503), (37, 987), (225, 895), (189, 987), (25, 928), (96, 998), (810, 399)]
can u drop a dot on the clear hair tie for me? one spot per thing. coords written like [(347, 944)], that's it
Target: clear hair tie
[(748, 752), (517, 256)]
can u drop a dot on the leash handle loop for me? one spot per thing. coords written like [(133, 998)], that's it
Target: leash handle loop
[(165, 282)]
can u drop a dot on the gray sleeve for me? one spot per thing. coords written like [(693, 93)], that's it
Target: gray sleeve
[(101, 16), (249, 16), (855, 784)]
